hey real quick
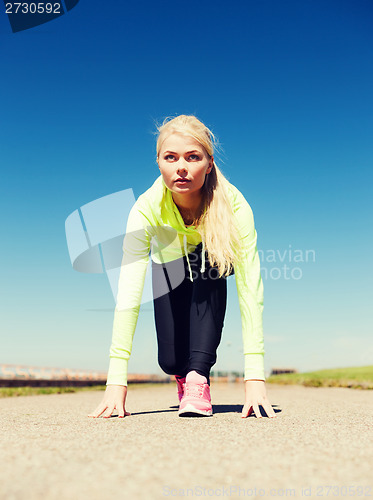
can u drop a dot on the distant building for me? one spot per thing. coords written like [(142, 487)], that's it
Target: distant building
[(280, 371), (22, 375)]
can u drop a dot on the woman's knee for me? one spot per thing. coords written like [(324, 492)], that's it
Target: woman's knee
[(169, 366)]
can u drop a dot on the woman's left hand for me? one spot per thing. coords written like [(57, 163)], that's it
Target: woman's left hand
[(255, 395)]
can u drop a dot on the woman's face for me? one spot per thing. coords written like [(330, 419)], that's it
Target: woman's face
[(182, 157)]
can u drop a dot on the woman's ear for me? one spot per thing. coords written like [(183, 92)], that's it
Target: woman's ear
[(211, 164)]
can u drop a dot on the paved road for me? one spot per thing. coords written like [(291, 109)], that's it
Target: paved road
[(321, 437)]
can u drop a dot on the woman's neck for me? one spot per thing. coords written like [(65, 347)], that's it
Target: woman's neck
[(189, 211), (189, 204)]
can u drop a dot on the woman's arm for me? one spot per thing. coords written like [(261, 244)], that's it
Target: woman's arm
[(136, 247), (250, 295), (250, 292)]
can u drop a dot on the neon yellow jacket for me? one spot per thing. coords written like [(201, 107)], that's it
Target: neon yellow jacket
[(155, 226)]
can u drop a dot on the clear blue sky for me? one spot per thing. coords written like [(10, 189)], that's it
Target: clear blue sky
[(287, 88)]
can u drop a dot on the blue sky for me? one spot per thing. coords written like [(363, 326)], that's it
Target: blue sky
[(287, 88)]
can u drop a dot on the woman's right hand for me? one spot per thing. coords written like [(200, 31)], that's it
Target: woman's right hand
[(114, 397)]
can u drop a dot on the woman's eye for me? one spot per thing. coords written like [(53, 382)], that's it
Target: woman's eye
[(194, 157), (168, 157)]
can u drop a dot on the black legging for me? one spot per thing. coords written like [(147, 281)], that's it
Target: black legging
[(189, 316)]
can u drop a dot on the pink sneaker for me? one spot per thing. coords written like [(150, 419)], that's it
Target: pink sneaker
[(197, 399), (180, 386)]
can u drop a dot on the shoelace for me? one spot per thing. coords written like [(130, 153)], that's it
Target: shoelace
[(195, 390)]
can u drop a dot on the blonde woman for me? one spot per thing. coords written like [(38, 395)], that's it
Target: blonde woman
[(199, 229)]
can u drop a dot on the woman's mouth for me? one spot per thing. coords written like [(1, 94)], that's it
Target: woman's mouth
[(182, 181)]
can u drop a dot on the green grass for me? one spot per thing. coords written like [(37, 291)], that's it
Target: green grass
[(360, 377), (6, 392)]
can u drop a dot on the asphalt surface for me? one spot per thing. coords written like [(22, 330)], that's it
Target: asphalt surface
[(319, 446)]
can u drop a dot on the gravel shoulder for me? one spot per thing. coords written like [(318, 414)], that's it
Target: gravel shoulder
[(321, 439)]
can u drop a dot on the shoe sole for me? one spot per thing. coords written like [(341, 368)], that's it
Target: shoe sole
[(190, 411)]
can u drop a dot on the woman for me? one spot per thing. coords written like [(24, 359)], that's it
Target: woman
[(199, 229)]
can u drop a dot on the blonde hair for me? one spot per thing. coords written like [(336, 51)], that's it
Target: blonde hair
[(216, 221)]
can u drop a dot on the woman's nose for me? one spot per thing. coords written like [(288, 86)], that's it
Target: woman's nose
[(182, 166)]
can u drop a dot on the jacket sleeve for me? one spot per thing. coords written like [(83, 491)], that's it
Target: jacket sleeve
[(136, 247), (250, 292)]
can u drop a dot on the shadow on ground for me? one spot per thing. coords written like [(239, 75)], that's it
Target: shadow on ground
[(216, 409)]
